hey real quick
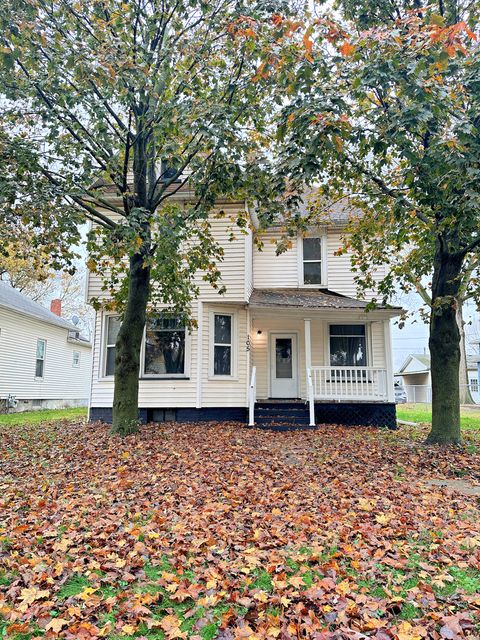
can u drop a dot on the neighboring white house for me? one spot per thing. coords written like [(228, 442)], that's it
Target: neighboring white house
[(415, 374), (44, 363), (287, 328)]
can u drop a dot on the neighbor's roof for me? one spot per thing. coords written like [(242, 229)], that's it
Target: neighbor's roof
[(424, 360), (12, 299), (307, 299)]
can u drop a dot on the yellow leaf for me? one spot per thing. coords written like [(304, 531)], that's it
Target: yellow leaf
[(383, 518), (366, 505), (128, 629), (86, 593), (30, 595), (56, 624), (297, 581)]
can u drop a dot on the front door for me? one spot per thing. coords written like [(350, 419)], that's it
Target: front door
[(283, 365)]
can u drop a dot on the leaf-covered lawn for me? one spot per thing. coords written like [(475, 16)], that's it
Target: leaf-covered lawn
[(469, 416), (217, 531)]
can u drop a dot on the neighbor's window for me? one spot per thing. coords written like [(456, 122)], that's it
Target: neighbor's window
[(474, 385), (222, 345), (76, 359), (312, 261), (40, 358), (113, 327), (348, 345), (164, 347)]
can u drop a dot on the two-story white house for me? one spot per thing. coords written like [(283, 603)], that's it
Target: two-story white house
[(287, 344)]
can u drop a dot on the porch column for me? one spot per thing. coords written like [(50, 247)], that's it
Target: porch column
[(308, 344), (388, 360)]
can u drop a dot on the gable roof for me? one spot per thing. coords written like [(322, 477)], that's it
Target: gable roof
[(307, 299), (423, 360), (13, 300)]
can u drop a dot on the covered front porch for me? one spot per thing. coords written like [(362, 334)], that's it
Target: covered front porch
[(317, 347)]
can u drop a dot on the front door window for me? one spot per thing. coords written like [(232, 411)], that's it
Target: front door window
[(283, 357), (283, 366)]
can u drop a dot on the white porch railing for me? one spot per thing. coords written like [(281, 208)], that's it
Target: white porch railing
[(311, 398), (349, 383), (252, 397)]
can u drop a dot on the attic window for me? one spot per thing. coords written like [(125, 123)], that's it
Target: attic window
[(168, 171)]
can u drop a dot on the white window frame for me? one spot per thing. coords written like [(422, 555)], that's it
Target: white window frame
[(233, 345), (368, 342), (323, 260), (105, 346), (77, 363), (42, 359), (166, 376)]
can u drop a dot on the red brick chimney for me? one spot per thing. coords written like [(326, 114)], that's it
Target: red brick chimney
[(56, 307)]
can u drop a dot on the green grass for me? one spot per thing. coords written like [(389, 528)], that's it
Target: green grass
[(75, 585), (45, 415), (423, 413)]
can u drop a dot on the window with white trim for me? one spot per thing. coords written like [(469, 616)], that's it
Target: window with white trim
[(348, 345), (312, 261), (76, 359), (40, 358), (222, 344), (164, 347), (112, 328)]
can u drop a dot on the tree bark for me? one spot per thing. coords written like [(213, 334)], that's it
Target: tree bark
[(128, 347), (444, 346), (465, 395)]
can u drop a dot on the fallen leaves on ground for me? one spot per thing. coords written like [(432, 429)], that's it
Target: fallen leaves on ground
[(212, 530)]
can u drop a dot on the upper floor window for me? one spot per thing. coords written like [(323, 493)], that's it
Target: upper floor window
[(164, 347), (76, 359), (40, 358), (313, 267), (348, 346), (113, 324)]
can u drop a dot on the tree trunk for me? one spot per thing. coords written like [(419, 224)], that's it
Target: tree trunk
[(444, 346), (127, 349), (465, 395)]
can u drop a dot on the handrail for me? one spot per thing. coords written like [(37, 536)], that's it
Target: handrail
[(311, 401), (332, 382), (252, 397)]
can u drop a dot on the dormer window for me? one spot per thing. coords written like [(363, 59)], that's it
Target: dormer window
[(313, 267)]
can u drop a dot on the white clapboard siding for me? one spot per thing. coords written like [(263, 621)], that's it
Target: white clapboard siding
[(18, 346), (271, 271), (340, 274), (183, 392), (377, 338), (232, 267), (227, 392), (283, 271)]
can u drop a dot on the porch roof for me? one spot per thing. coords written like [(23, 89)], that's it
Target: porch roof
[(308, 299)]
